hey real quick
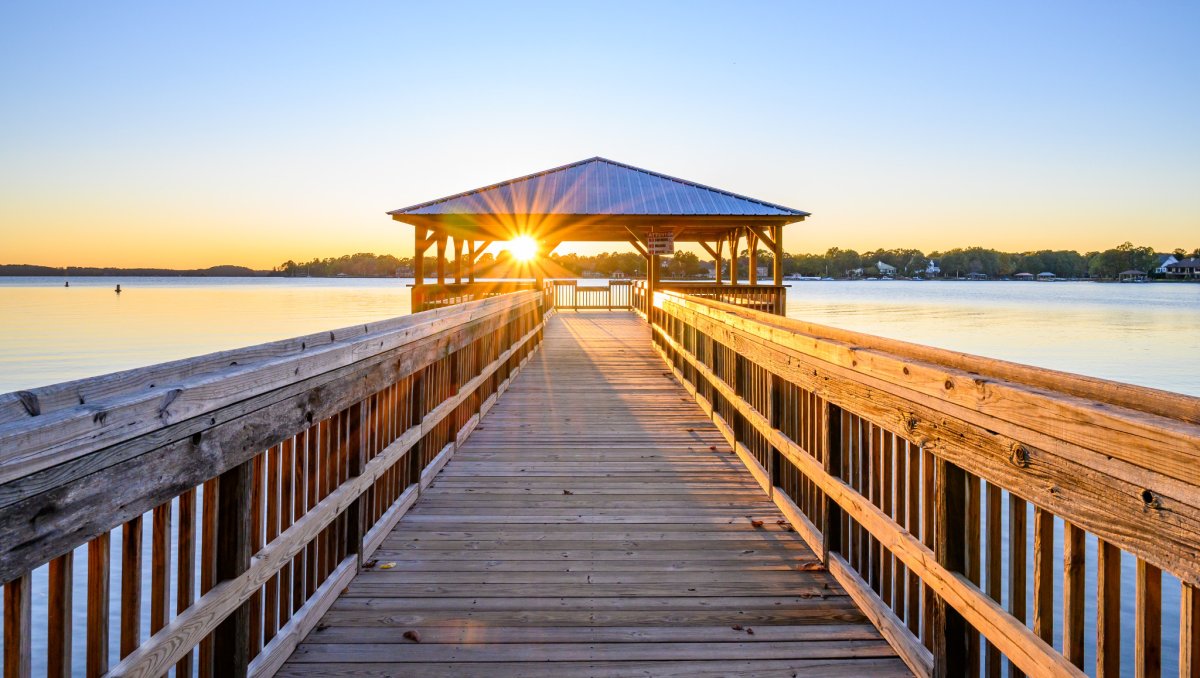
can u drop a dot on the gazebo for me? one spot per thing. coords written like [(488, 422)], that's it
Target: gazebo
[(596, 200)]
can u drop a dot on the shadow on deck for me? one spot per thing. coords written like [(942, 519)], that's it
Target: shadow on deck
[(595, 523)]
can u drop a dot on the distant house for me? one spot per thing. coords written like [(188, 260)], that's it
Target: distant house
[(1023, 276), (763, 272), (1188, 269), (885, 269), (932, 270), (977, 276), (1046, 276), (1161, 262)]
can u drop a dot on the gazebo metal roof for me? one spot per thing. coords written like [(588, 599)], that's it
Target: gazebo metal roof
[(595, 200)]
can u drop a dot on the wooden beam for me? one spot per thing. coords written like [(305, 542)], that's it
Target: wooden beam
[(720, 243), (762, 236), (735, 237), (483, 245), (458, 260), (471, 260), (777, 248), (638, 246), (708, 248)]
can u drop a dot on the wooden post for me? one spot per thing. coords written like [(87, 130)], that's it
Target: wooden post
[(441, 256), (720, 246), (471, 260), (831, 527), (357, 459), (420, 244), (752, 256), (417, 413), (777, 236), (951, 636), (734, 237), (231, 639)]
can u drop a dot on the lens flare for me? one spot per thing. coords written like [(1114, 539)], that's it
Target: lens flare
[(523, 248)]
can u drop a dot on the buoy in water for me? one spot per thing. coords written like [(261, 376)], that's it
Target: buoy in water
[(118, 289)]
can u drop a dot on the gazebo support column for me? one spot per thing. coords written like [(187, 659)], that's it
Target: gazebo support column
[(471, 260), (458, 252), (752, 257), (441, 256), (420, 245), (735, 237), (777, 236)]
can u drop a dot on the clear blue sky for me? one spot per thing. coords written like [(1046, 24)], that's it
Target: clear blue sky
[(177, 134)]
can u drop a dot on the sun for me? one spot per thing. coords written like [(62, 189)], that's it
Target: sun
[(523, 248)]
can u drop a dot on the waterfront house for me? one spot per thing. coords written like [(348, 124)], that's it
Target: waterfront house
[(1023, 276), (885, 269), (1161, 262), (932, 270), (1188, 269)]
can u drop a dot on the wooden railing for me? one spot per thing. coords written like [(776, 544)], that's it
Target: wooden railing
[(431, 295), (268, 474), (570, 295), (916, 472), (767, 298)]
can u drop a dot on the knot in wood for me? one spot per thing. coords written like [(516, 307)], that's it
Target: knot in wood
[(1019, 456), (910, 424)]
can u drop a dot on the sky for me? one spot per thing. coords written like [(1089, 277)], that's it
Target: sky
[(190, 135)]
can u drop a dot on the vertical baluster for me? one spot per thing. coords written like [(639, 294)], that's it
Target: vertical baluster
[(928, 514), (255, 604), (1189, 632), (286, 463), (951, 642), (1017, 530), (160, 567), (1043, 574), (231, 639), (271, 532), (1073, 572), (131, 585), (185, 577), (356, 459), (973, 500), (885, 498), (97, 605), (208, 562), (1147, 645), (995, 571), (832, 530), (1108, 609), (875, 469), (913, 453), (59, 615), (300, 569), (901, 510), (18, 623)]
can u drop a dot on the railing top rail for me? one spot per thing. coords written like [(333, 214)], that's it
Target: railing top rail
[(1139, 398), (51, 424)]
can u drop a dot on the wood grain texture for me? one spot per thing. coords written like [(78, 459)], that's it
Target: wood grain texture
[(595, 514)]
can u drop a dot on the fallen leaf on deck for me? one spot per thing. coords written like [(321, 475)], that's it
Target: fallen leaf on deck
[(568, 492), (750, 631), (736, 627), (811, 567), (413, 636), (371, 563), (713, 448), (756, 523), (387, 566)]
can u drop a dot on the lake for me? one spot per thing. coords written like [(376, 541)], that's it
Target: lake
[(1140, 334)]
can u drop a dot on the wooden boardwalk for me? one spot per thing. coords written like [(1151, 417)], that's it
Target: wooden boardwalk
[(596, 524)]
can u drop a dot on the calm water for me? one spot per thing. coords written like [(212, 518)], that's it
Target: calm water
[(1141, 334)]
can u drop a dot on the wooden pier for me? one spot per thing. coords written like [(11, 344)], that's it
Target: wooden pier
[(696, 486), (596, 523)]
